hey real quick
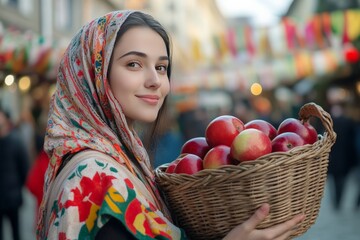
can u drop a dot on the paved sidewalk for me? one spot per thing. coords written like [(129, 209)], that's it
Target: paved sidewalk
[(330, 225), (337, 225)]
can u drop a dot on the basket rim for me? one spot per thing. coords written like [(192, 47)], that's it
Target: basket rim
[(299, 152)]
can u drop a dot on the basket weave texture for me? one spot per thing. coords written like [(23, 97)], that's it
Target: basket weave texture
[(208, 204)]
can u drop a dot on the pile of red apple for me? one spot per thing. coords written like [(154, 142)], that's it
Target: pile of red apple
[(228, 141)]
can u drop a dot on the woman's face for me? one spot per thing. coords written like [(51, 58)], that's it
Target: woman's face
[(138, 74)]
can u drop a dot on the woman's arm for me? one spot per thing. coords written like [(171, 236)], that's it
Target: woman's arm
[(114, 229), (248, 231)]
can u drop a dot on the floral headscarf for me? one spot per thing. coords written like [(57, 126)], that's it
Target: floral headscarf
[(84, 113)]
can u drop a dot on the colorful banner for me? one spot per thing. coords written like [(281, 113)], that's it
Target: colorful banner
[(26, 52)]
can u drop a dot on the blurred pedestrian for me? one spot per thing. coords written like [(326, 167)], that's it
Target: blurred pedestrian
[(357, 148), (14, 167), (35, 178), (342, 156)]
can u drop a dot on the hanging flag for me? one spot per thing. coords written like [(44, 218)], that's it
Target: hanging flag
[(224, 47), (196, 50), (300, 35), (231, 41), (249, 41), (264, 47), (326, 24), (240, 39), (352, 24), (310, 35), (290, 33), (345, 36), (337, 22), (318, 34)]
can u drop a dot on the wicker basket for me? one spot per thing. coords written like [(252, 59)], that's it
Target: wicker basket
[(208, 204)]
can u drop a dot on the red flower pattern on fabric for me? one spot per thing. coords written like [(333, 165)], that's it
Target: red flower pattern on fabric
[(62, 236), (135, 208), (91, 191), (129, 183)]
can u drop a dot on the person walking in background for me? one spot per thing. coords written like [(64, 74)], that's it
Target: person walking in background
[(14, 167), (342, 158), (116, 72), (357, 148), (35, 178)]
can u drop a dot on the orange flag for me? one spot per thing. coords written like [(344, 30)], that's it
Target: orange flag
[(319, 38)]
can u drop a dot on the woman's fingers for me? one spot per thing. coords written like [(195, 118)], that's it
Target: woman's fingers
[(285, 235), (284, 230), (257, 217), (248, 230)]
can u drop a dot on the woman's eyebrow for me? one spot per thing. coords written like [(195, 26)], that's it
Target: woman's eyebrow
[(143, 55), (162, 58), (140, 54)]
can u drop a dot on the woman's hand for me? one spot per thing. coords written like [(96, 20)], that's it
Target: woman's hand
[(248, 231)]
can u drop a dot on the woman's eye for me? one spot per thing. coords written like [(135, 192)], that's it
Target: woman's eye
[(161, 68), (133, 64)]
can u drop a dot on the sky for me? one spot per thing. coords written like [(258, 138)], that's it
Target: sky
[(262, 12)]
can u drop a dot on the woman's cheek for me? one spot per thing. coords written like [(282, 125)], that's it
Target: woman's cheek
[(167, 89)]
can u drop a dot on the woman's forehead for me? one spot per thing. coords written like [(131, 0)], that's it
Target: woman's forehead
[(143, 39)]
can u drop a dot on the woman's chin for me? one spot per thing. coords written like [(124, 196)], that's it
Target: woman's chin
[(144, 120)]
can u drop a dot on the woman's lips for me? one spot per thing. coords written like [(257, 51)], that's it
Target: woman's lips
[(150, 99)]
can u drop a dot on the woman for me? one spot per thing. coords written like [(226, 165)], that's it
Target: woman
[(115, 72)]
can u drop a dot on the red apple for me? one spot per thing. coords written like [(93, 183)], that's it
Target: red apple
[(304, 130), (171, 166), (286, 141), (250, 144), (222, 130), (217, 157), (197, 146), (263, 126), (189, 164), (313, 134)]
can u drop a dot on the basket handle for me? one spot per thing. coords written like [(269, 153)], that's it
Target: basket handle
[(312, 109)]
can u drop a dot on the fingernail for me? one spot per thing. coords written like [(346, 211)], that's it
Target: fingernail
[(264, 208)]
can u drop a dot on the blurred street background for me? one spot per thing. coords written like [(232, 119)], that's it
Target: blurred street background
[(251, 59)]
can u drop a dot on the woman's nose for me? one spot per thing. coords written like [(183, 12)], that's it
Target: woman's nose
[(152, 79)]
